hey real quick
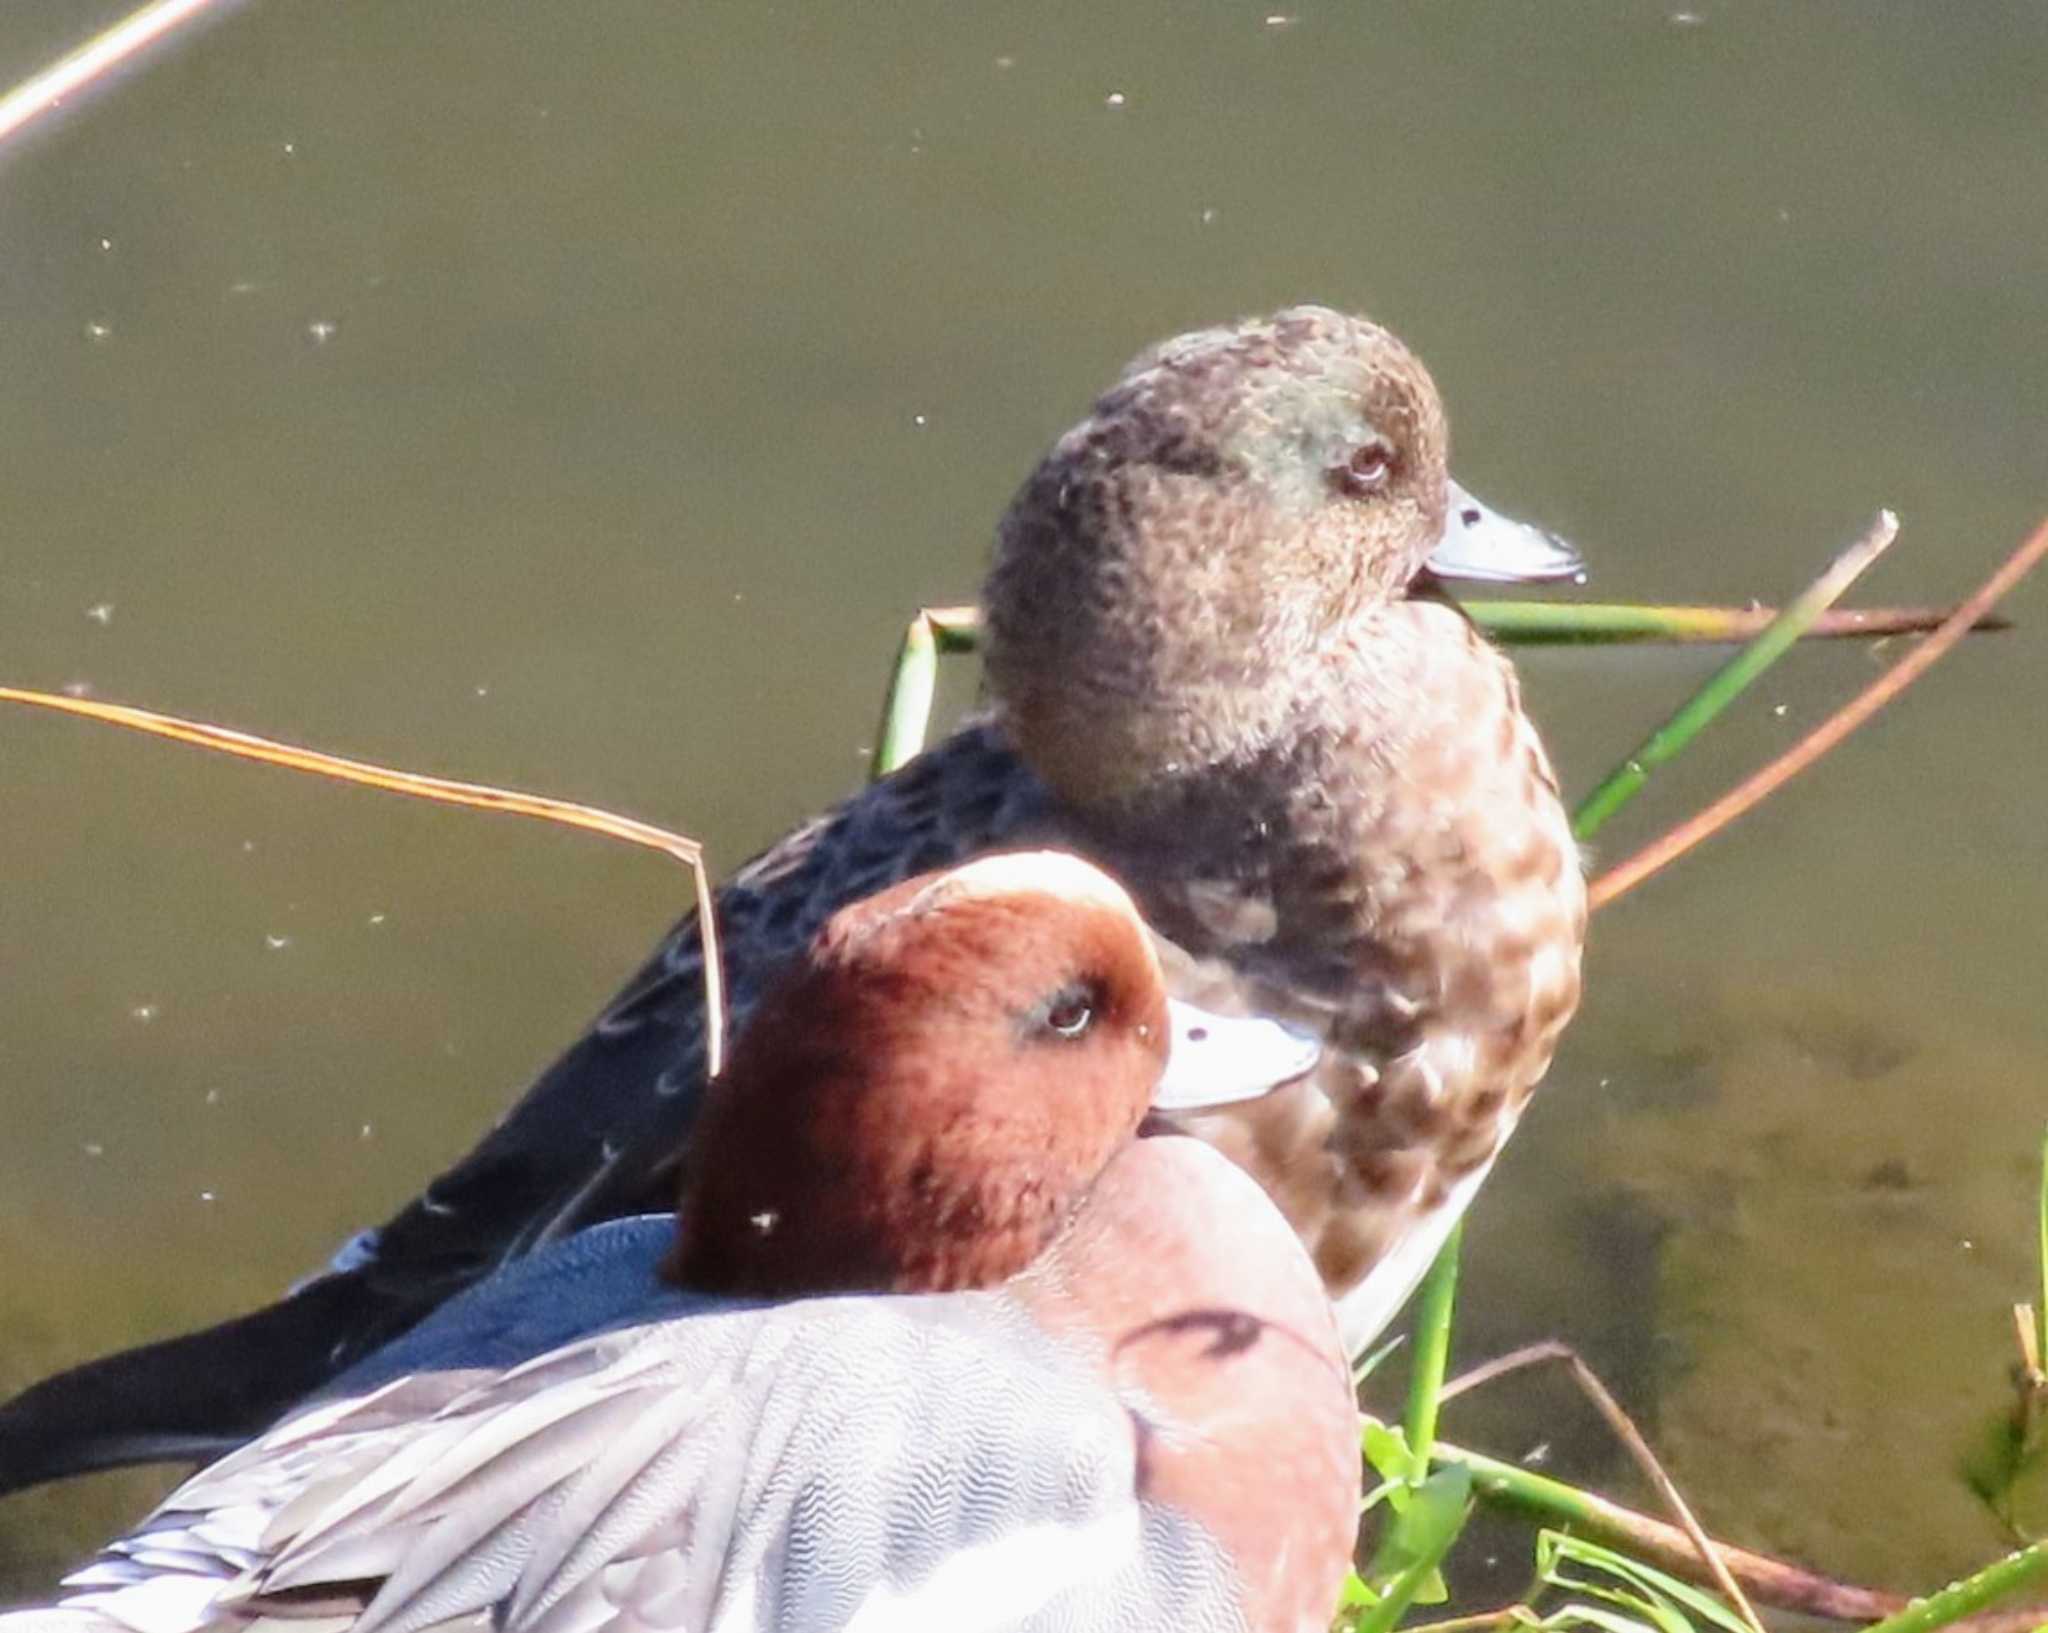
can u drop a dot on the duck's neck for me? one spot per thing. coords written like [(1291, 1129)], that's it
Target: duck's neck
[(1403, 815)]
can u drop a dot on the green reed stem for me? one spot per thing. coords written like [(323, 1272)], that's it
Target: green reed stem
[(907, 705), (940, 631), (1509, 1485), (2041, 1219), (1670, 739), (1434, 1306), (1513, 1489), (1973, 1594), (1596, 623)]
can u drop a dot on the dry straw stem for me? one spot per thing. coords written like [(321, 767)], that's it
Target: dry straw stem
[(1624, 1429), (1625, 877), (46, 90), (476, 796)]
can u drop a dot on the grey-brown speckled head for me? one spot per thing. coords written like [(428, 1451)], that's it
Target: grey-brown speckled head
[(1177, 557)]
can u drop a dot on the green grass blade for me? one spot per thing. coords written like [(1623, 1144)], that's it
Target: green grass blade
[(1419, 1537), (1578, 1615), (1670, 739), (1644, 1585)]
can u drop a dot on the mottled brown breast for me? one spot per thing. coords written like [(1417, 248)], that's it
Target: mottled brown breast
[(1405, 882)]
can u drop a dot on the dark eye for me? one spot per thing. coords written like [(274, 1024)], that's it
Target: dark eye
[(1367, 468), (1071, 1011)]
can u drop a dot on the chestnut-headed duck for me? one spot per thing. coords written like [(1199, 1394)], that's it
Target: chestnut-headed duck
[(934, 1340), (1220, 663)]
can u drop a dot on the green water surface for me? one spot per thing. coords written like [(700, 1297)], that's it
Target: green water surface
[(581, 396)]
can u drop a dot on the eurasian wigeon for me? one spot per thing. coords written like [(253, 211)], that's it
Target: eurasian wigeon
[(935, 1340), (1220, 664)]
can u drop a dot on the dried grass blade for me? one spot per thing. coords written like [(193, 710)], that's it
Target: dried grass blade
[(445, 790), (45, 91)]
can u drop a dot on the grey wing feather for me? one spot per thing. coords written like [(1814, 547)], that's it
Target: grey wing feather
[(842, 1463)]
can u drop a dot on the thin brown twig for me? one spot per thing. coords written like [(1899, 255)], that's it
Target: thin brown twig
[(445, 790), (1624, 1429), (1703, 824), (1877, 622)]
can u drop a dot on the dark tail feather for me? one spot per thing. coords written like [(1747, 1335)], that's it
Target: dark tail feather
[(191, 1398)]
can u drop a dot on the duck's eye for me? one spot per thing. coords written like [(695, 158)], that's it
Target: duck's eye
[(1071, 1012), (1367, 468)]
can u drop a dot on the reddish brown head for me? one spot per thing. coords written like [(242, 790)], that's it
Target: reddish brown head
[(921, 1101)]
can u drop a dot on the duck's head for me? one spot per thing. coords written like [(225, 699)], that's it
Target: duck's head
[(1170, 571), (926, 1095)]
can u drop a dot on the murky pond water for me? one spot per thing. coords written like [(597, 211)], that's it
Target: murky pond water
[(582, 397)]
